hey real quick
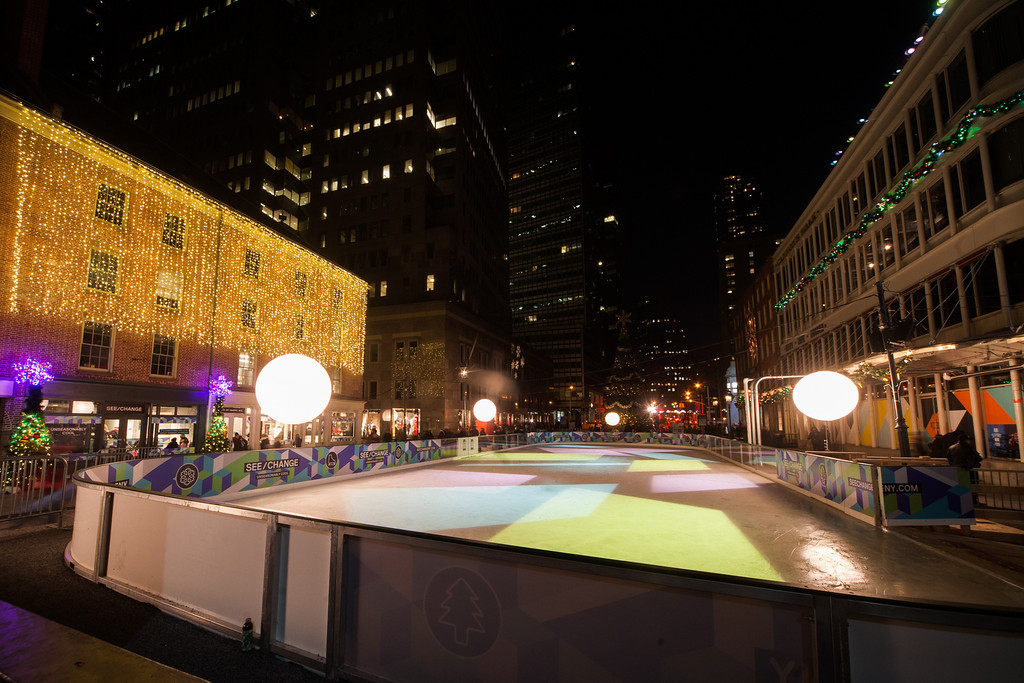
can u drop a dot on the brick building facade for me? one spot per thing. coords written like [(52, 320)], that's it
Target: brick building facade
[(139, 290)]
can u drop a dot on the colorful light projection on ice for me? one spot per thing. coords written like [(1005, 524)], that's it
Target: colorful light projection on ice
[(663, 507)]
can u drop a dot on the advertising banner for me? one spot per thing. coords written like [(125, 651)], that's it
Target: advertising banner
[(213, 474), (926, 496), (847, 484)]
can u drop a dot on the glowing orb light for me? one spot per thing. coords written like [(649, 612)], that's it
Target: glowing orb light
[(825, 395), (485, 410), (611, 419), (293, 388)]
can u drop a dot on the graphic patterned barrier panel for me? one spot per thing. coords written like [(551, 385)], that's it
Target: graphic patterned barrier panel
[(847, 484), (926, 496), (213, 474)]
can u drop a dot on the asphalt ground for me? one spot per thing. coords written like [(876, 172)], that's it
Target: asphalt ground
[(34, 577)]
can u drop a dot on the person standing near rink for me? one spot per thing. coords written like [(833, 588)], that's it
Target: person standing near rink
[(964, 454)]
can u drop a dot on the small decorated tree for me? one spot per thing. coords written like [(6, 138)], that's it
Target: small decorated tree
[(217, 435), (31, 437)]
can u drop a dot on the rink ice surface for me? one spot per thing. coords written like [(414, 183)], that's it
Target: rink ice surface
[(671, 507)]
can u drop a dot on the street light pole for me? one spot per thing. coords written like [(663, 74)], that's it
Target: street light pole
[(902, 434), (568, 419), (463, 373)]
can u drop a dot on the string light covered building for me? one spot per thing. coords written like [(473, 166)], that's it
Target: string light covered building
[(140, 291), (926, 204)]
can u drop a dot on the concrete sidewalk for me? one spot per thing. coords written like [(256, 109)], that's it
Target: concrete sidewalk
[(57, 626), (36, 649)]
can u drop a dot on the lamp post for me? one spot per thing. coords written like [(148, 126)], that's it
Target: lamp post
[(653, 410), (463, 373), (569, 418), (728, 415)]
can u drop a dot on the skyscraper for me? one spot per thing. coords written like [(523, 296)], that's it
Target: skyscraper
[(743, 241), (561, 245)]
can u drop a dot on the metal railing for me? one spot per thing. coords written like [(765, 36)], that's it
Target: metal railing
[(36, 486), (1000, 489)]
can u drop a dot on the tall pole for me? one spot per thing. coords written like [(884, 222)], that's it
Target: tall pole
[(568, 420), (901, 424), (463, 389)]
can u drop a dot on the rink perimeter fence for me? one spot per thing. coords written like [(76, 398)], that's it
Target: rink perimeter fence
[(358, 602)]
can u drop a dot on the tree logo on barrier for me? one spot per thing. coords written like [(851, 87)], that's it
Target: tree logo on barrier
[(462, 611), (187, 476)]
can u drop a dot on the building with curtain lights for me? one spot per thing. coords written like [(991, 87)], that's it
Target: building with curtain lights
[(141, 291), (928, 203)]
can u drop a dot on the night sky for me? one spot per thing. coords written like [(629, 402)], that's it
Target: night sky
[(771, 89)]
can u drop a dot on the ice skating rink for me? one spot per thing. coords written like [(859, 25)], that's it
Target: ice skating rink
[(673, 507)]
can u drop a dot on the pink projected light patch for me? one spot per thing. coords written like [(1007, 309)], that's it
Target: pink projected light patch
[(430, 478), (679, 483)]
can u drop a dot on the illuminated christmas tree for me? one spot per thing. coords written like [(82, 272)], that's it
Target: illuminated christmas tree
[(625, 385), (217, 435), (31, 437)]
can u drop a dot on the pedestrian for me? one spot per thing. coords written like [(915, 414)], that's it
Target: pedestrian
[(237, 443), (184, 443), (171, 446), (373, 433), (817, 437), (940, 445), (963, 454)]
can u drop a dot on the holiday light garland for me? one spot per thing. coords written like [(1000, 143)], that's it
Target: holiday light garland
[(770, 396), (881, 374), (963, 132)]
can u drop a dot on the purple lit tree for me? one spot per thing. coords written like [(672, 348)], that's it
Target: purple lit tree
[(31, 437)]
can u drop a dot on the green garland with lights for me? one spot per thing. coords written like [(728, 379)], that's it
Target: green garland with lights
[(881, 374), (964, 131), (775, 395)]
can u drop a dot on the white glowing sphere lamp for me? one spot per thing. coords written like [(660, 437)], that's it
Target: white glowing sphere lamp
[(611, 419), (825, 395), (293, 388), (485, 410)]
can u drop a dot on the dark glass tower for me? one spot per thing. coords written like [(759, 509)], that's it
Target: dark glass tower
[(561, 238)]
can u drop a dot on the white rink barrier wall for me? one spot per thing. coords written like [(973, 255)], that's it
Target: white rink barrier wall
[(353, 601)]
